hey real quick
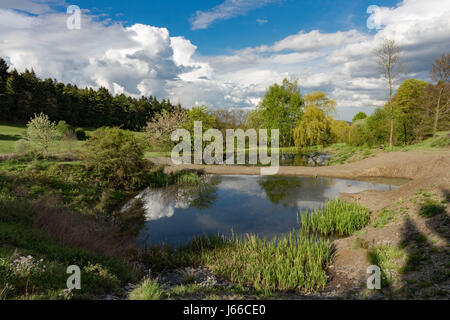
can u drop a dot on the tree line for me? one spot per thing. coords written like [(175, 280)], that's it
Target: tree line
[(416, 110), (23, 94)]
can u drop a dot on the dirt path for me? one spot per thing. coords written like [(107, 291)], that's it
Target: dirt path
[(428, 170)]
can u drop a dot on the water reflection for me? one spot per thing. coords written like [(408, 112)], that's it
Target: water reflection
[(265, 205)]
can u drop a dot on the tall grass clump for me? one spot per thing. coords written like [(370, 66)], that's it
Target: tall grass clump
[(388, 258), (187, 178), (335, 217), (293, 262), (148, 290)]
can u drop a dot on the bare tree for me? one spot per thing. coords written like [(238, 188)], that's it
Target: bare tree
[(440, 74), (388, 54)]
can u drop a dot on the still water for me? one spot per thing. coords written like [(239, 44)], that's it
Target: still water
[(263, 205)]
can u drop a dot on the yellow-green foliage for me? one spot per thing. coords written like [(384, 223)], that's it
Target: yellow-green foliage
[(116, 156), (42, 133), (314, 128), (340, 131)]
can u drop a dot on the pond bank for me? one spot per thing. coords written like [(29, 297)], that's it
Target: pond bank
[(422, 167), (430, 175)]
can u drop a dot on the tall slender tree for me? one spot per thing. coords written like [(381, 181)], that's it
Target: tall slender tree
[(440, 74), (388, 59)]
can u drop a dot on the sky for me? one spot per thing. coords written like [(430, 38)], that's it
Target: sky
[(225, 53)]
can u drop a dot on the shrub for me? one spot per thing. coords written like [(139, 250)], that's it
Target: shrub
[(117, 157), (42, 133), (80, 134), (13, 210), (63, 127), (99, 280), (21, 147)]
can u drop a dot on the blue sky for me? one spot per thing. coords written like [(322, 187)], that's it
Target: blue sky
[(263, 25), (225, 53)]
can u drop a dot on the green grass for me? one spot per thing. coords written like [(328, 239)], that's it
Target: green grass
[(430, 208), (441, 141), (383, 218), (387, 258), (293, 262), (148, 290), (335, 217), (33, 265), (11, 133)]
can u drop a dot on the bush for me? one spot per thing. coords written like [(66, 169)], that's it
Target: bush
[(63, 127), (42, 133), (80, 134), (99, 280), (14, 211), (117, 157), (21, 147)]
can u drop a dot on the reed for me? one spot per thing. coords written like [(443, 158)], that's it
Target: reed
[(335, 217), (293, 262)]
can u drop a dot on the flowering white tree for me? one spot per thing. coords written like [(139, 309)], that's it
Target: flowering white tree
[(42, 133)]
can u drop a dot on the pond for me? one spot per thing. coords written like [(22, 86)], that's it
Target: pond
[(264, 205), (300, 158)]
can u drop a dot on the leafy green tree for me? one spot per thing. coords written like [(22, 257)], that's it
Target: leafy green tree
[(320, 100), (377, 128), (117, 157), (254, 119), (313, 129), (411, 123), (340, 130), (360, 115), (281, 108), (203, 114), (42, 133)]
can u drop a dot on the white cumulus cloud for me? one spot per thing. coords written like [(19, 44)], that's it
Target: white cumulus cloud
[(147, 60)]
